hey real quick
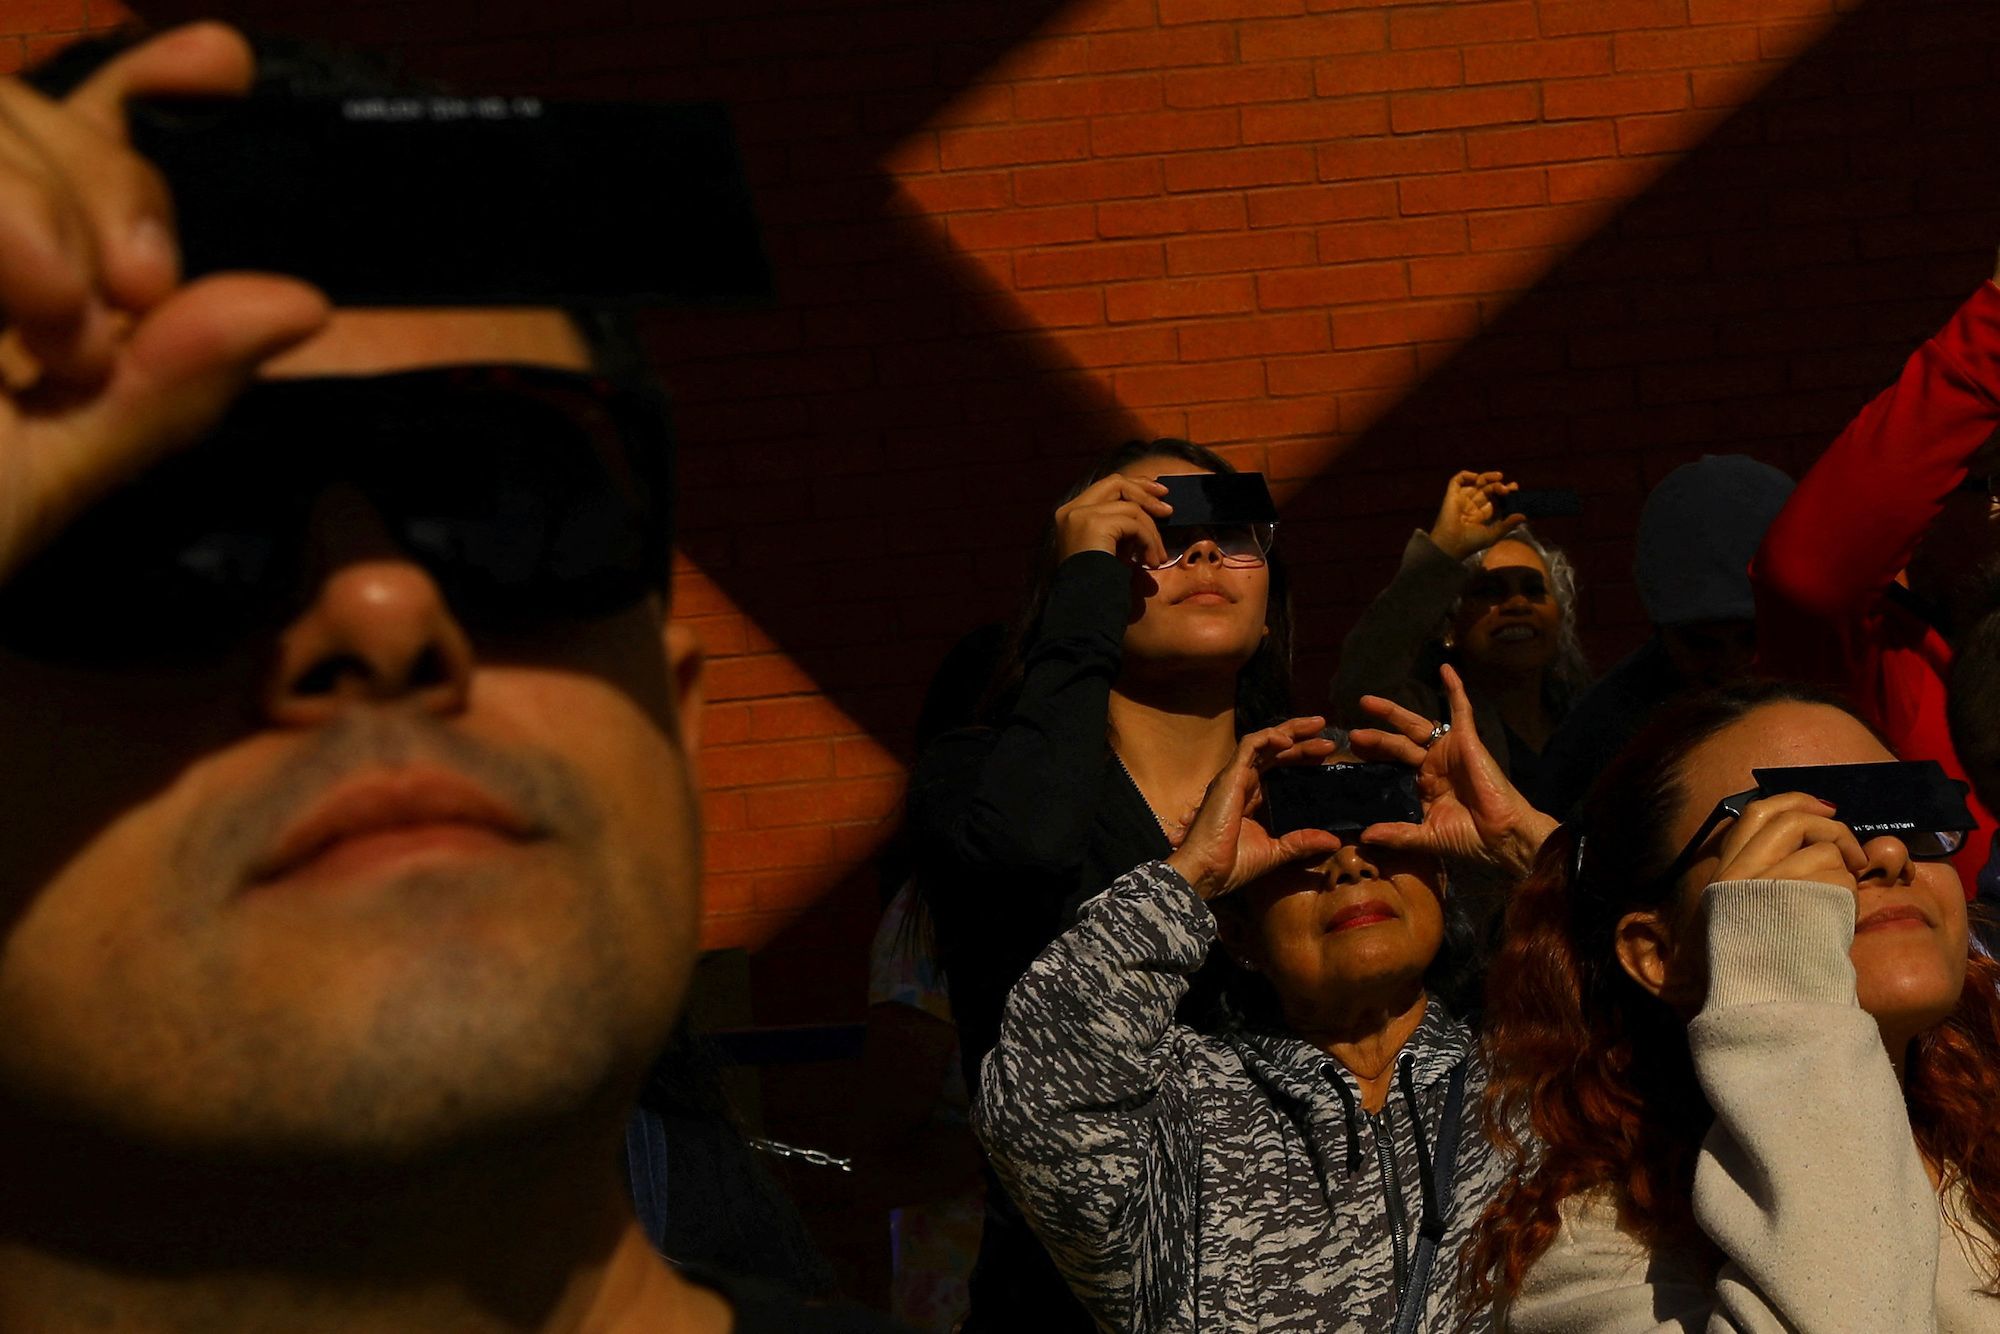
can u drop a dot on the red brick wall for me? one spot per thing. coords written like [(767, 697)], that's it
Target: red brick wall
[(1359, 244)]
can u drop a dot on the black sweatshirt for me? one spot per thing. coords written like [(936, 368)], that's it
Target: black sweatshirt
[(1014, 827)]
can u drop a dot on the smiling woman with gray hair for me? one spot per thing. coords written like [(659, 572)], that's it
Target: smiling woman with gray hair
[(1483, 593)]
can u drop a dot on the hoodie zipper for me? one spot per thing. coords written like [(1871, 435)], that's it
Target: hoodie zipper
[(1398, 1225)]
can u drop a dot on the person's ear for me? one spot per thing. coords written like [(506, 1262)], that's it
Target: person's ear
[(686, 660), (1645, 950)]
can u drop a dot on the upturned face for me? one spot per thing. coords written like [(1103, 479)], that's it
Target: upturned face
[(1910, 934), (366, 887), (1365, 921), (1507, 618), (1199, 614)]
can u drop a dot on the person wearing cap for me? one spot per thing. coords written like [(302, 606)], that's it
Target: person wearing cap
[(1697, 532), (1889, 550)]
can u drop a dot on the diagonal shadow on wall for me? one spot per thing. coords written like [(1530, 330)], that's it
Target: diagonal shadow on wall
[(1750, 299)]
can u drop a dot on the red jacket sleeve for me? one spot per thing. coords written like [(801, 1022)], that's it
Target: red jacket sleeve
[(1857, 516)]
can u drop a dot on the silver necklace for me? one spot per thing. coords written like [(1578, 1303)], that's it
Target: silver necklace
[(1169, 831)]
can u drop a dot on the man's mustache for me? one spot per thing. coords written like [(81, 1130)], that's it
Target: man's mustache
[(227, 838)]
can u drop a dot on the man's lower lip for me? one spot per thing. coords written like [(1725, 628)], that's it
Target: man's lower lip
[(1204, 597), (398, 848)]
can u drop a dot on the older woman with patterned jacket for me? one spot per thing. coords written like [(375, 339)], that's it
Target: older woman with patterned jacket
[(1312, 1164)]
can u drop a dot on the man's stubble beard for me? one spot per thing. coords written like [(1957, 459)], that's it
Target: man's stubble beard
[(454, 1006)]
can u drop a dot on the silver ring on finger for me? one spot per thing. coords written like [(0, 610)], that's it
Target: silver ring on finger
[(1437, 730)]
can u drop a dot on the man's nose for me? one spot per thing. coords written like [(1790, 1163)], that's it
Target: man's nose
[(1204, 549), (375, 628)]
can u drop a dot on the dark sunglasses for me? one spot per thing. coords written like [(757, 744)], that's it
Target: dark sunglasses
[(531, 495)]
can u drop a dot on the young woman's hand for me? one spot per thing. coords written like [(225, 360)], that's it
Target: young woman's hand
[(1472, 813), (1470, 520), (1790, 837), (1224, 847), (1114, 514)]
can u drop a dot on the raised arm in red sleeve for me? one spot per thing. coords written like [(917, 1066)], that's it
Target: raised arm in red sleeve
[(1824, 573)]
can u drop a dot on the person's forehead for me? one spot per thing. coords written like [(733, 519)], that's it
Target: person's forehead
[(1776, 736), (1506, 555), (1163, 465), (372, 341)]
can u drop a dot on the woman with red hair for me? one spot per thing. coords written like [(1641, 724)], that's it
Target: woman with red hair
[(1743, 1063)]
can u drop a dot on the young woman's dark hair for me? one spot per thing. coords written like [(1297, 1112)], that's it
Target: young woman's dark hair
[(1593, 1082), (1263, 686)]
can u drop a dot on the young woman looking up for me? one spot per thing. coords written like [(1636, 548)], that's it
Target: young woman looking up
[(1133, 669), (1481, 592), (1779, 1064)]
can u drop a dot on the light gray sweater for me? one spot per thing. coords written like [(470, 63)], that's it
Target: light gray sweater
[(1809, 1182)]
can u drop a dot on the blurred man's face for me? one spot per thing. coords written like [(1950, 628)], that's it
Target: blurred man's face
[(362, 889), (1957, 565), (1710, 653)]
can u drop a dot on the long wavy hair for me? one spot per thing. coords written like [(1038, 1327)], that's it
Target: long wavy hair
[(1263, 684), (1593, 1085)]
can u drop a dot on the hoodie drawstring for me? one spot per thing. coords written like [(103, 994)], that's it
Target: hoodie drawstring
[(1332, 1073), (1433, 1224)]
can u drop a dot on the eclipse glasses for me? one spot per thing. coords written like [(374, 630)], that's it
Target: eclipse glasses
[(1341, 798), (1232, 510), (1912, 800)]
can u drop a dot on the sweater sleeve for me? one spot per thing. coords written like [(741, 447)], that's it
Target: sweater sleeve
[(1083, 1106), (1024, 800), (1381, 653), (1809, 1181), (1856, 517)]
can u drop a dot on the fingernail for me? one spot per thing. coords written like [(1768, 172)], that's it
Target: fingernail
[(151, 246)]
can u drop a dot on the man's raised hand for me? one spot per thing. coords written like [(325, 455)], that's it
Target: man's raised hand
[(108, 360)]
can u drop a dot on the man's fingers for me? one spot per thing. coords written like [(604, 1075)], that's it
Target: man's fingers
[(120, 199), (197, 59), (174, 378)]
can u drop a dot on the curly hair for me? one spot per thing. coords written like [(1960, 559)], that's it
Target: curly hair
[(1593, 1083)]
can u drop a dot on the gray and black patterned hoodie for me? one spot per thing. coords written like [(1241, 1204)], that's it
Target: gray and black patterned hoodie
[(1192, 1182)]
